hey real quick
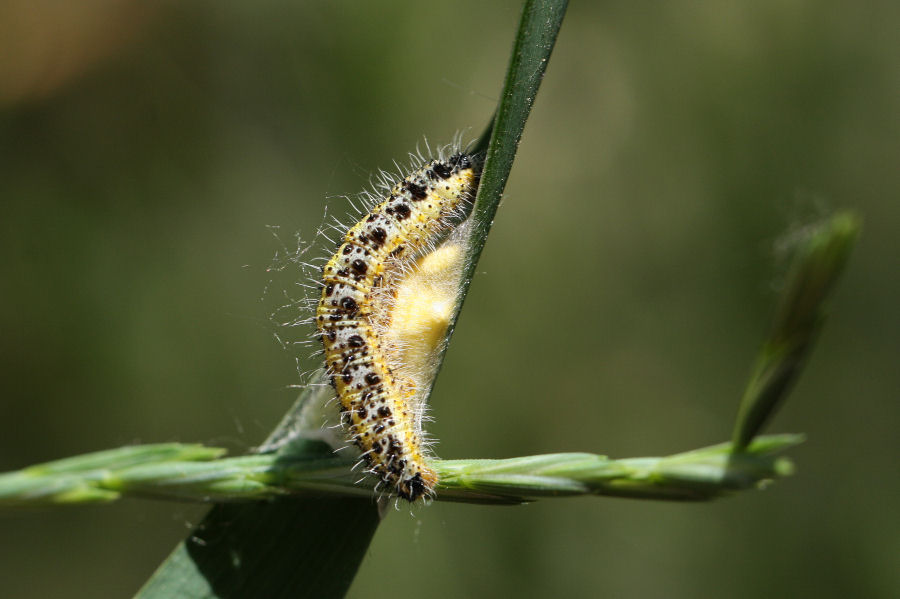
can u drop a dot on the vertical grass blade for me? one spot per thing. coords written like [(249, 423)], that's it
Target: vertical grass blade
[(537, 34), (286, 548), (313, 547)]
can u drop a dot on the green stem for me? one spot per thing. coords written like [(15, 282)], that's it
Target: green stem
[(193, 473)]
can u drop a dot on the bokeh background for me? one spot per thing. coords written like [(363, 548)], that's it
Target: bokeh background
[(147, 150)]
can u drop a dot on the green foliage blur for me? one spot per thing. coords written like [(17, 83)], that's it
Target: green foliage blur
[(148, 154)]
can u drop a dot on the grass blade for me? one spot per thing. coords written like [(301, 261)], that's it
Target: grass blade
[(332, 535)]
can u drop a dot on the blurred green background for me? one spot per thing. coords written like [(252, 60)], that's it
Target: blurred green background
[(145, 150)]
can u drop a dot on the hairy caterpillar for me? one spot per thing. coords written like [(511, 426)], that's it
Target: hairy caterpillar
[(354, 314)]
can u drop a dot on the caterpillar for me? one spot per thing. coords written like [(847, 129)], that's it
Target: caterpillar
[(378, 406)]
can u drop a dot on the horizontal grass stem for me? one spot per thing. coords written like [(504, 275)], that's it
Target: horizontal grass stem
[(196, 473)]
